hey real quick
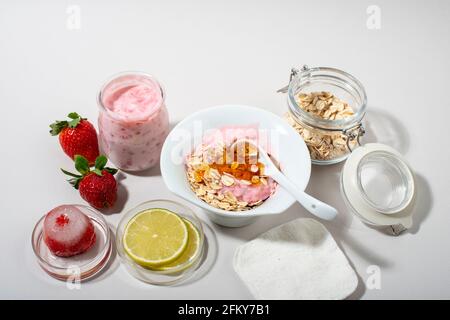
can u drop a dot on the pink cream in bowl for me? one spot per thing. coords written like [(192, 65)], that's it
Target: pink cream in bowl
[(242, 188), (251, 194)]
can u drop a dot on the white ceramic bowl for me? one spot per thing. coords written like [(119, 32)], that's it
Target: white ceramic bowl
[(287, 147)]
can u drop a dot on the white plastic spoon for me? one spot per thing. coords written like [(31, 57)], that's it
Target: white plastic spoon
[(316, 207)]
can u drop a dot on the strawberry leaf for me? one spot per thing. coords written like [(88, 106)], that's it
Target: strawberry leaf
[(111, 170), (82, 165), (75, 182), (76, 118), (57, 127), (101, 162), (73, 115), (70, 174)]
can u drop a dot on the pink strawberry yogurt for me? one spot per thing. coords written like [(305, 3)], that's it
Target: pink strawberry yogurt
[(133, 121), (251, 193)]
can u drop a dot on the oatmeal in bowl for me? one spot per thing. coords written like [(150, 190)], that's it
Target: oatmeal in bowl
[(227, 175), (193, 165)]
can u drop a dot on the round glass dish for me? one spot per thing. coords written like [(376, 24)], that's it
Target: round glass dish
[(329, 140), (79, 267), (378, 186), (385, 182), (159, 277)]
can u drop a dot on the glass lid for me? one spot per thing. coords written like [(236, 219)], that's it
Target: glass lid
[(378, 185)]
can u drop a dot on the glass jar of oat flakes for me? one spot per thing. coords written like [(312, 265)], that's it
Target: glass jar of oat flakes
[(326, 107)]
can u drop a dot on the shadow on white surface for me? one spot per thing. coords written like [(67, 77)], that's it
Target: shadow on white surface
[(382, 127), (360, 288)]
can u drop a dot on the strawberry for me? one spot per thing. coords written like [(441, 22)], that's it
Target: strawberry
[(68, 231), (98, 186), (77, 137)]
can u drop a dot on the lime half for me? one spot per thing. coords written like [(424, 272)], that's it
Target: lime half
[(155, 237), (192, 248)]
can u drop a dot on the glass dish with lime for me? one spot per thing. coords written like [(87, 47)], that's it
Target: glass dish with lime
[(161, 242)]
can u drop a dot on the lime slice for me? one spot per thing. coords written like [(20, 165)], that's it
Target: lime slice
[(192, 248), (155, 237)]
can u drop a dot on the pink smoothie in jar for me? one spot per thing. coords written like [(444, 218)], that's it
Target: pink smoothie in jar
[(133, 121)]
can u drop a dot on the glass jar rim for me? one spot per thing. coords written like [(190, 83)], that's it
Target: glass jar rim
[(123, 74), (327, 124)]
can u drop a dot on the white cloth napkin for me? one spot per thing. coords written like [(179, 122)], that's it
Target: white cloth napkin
[(297, 260)]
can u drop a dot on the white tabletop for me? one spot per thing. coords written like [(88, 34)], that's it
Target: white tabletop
[(208, 53)]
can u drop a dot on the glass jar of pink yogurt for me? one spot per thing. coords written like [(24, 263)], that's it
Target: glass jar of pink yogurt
[(133, 120)]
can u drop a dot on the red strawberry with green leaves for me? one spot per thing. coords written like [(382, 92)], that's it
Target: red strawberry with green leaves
[(98, 186), (77, 137)]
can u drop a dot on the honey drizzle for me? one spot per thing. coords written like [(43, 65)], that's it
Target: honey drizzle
[(241, 171)]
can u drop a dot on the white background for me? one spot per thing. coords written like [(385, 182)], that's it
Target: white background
[(209, 53)]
